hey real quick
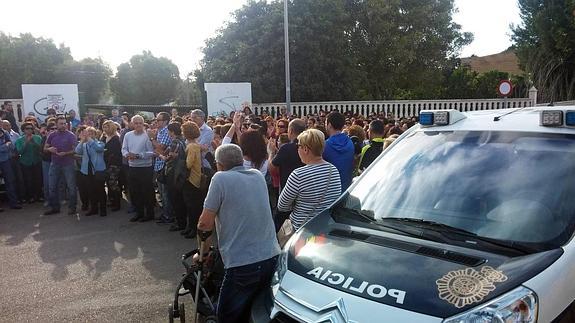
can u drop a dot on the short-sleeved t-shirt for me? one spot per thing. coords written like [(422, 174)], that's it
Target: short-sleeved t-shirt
[(246, 231), (63, 141), (287, 159)]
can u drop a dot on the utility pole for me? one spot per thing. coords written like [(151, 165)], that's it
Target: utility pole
[(286, 45)]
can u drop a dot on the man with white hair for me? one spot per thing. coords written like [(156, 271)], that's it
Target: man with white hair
[(206, 134), (7, 126), (138, 149), (245, 231)]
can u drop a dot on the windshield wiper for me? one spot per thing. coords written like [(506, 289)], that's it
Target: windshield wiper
[(445, 228), (365, 217)]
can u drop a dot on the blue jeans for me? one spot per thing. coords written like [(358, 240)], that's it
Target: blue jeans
[(8, 174), (239, 288), (167, 211), (68, 173), (46, 179)]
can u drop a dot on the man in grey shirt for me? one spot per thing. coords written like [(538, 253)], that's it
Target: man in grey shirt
[(245, 230), (137, 148)]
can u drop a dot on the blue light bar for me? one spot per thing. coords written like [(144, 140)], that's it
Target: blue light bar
[(426, 119), (570, 118)]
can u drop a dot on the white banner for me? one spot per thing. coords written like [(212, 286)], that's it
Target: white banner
[(224, 98), (38, 98)]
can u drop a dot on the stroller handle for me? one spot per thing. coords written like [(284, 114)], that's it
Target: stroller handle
[(189, 254)]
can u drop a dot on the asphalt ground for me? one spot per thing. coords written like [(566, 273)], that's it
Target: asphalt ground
[(63, 268)]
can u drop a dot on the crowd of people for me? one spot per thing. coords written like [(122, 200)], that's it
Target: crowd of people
[(65, 156), (228, 172)]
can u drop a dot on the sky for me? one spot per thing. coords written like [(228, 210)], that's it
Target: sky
[(177, 29)]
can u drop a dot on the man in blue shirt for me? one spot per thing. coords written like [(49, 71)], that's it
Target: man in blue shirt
[(339, 149), (206, 134), (74, 121)]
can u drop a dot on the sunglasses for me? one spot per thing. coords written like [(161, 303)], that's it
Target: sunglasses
[(28, 128), (282, 126)]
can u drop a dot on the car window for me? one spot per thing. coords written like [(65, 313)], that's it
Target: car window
[(503, 185)]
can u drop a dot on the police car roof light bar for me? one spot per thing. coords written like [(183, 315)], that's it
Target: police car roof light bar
[(551, 118), (570, 118), (426, 118), (439, 117)]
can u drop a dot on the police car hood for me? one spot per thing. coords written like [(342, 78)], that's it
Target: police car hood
[(416, 275)]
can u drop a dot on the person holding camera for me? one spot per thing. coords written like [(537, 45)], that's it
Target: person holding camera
[(93, 167), (245, 230)]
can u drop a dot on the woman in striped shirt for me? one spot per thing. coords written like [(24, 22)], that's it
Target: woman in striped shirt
[(313, 187)]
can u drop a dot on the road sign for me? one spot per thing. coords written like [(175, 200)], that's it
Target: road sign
[(505, 88)]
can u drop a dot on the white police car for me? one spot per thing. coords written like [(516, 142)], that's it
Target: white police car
[(467, 217)]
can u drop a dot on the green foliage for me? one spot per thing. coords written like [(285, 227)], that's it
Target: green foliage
[(339, 49), (29, 60), (146, 79), (463, 83), (545, 45), (26, 59), (91, 75), (189, 92)]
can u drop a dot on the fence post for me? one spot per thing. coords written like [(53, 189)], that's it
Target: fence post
[(533, 95)]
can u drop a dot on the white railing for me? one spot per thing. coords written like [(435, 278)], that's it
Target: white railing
[(405, 108)]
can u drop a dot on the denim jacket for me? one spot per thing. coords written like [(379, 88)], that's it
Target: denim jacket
[(95, 151)]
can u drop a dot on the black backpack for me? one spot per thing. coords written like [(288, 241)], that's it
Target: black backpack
[(177, 171)]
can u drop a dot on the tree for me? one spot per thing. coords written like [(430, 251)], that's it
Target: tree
[(146, 79), (339, 49), (26, 59), (188, 92), (91, 75), (406, 45), (545, 45), (460, 84)]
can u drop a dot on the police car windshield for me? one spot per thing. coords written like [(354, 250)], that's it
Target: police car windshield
[(512, 186)]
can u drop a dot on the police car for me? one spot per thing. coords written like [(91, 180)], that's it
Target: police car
[(467, 217)]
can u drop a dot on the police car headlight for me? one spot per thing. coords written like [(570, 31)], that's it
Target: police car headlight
[(519, 305), (281, 268)]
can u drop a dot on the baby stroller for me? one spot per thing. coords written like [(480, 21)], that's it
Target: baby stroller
[(202, 281)]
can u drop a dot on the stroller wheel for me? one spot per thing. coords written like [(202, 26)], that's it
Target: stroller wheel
[(171, 314), (210, 319), (182, 313)]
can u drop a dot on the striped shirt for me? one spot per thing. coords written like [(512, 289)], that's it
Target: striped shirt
[(304, 190)]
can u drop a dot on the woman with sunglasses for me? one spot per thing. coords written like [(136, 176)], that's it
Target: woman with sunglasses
[(281, 127), (29, 148)]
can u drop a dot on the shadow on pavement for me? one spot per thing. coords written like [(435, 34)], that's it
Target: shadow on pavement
[(96, 242)]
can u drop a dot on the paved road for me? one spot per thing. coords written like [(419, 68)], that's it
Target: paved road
[(76, 268)]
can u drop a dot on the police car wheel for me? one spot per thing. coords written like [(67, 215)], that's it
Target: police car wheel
[(210, 319)]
